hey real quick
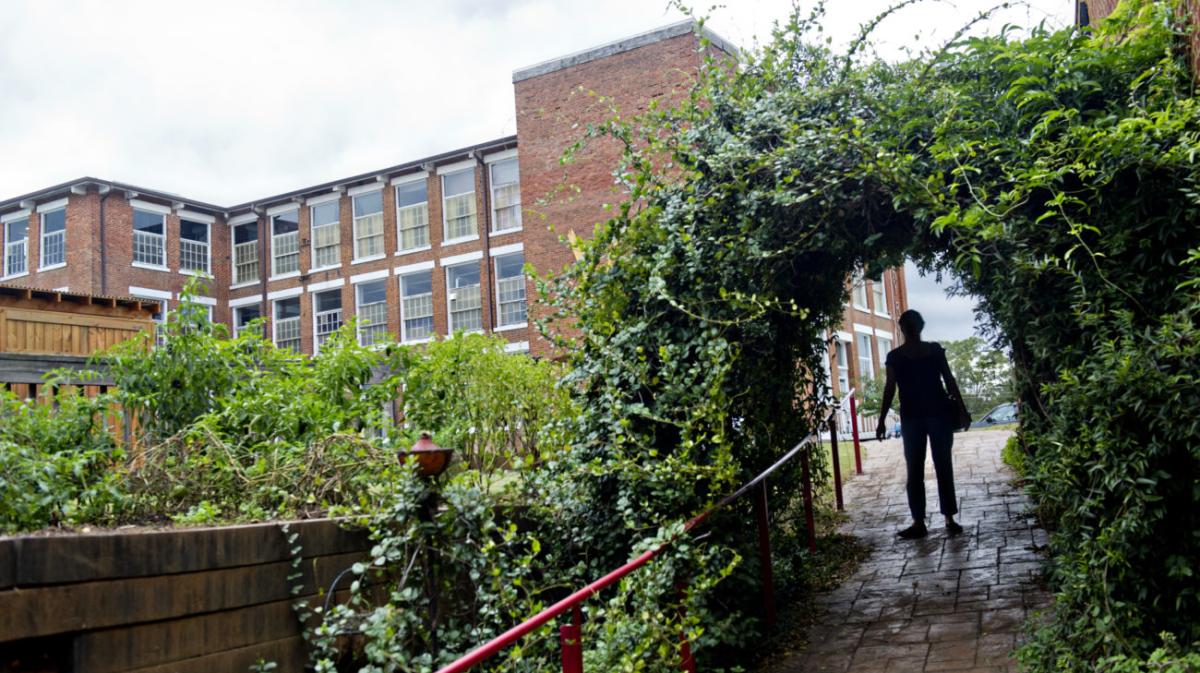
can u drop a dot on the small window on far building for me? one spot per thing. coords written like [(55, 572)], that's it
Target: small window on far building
[(368, 225), (245, 253), (458, 205), (506, 196), (326, 235), (243, 316), (416, 306), (879, 296), (463, 298), (327, 315), (842, 355), (412, 215), (287, 323), (16, 247), (194, 246), (866, 361), (510, 289), (859, 296), (371, 311), (149, 238), (54, 239), (285, 243)]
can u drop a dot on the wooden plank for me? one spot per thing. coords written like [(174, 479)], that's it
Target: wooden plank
[(43, 611), (288, 653), (8, 562), (82, 319), (57, 559)]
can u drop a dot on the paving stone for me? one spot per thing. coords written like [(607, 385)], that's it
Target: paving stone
[(940, 603)]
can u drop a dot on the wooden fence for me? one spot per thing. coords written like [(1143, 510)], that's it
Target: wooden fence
[(203, 600)]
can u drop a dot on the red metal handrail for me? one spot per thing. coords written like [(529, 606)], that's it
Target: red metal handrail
[(570, 634)]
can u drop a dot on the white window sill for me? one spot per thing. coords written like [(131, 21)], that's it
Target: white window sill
[(248, 283), (410, 251), (883, 315), (320, 269), (456, 241), (514, 326), (152, 267), (474, 331), (291, 274), (372, 258), (15, 275), (417, 342), (195, 273), (863, 309), (501, 232), (52, 267)]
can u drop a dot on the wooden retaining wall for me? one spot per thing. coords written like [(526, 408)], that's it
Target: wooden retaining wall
[(205, 600)]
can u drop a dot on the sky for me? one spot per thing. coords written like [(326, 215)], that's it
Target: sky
[(225, 101)]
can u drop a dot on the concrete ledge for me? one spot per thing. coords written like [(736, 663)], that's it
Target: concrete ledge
[(684, 27)]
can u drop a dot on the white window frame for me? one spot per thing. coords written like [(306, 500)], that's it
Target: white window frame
[(859, 287), (397, 184), (404, 338), (358, 306), (207, 271), (257, 256), (275, 322), (316, 317), (841, 359), (236, 310), (885, 346), (865, 354), (43, 211), (162, 238), (492, 163), (502, 326), (160, 321), (313, 204), (450, 171), (354, 195), (275, 273), (9, 245), (450, 297), (879, 297)]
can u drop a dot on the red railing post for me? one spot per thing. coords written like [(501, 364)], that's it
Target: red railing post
[(806, 479), (762, 516), (572, 648), (854, 431), (687, 662), (837, 466)]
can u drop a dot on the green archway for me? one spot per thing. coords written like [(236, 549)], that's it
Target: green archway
[(1055, 175)]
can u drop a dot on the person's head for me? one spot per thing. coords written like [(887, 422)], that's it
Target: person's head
[(911, 323)]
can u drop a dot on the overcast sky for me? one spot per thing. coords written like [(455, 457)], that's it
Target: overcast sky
[(225, 101)]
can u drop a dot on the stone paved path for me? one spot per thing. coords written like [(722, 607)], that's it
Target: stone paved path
[(937, 604)]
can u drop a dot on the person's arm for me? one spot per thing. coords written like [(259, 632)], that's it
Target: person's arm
[(889, 392), (948, 377)]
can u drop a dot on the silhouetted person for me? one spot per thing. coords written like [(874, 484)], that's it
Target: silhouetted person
[(927, 412)]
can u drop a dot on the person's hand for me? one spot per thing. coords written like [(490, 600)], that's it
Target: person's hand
[(881, 430)]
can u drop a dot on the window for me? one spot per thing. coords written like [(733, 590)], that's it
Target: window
[(149, 238), (287, 323), (159, 317), (243, 316), (506, 196), (368, 225), (285, 243), (327, 315), (412, 215), (54, 238), (463, 297), (193, 246), (416, 306), (458, 204), (866, 363), (245, 253), (372, 311), (510, 289), (885, 347), (326, 235), (860, 294), (16, 247), (842, 352), (879, 296)]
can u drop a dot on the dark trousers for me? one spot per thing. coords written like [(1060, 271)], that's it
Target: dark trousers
[(937, 430)]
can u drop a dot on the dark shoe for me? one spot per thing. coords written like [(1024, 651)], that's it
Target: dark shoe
[(952, 528), (913, 532)]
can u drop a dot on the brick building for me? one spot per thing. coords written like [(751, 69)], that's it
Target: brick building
[(415, 250)]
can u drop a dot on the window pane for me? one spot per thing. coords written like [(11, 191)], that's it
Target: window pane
[(417, 283), (508, 266), (193, 231), (368, 204), (244, 315), (286, 223), (55, 220), (462, 276), (287, 308), (370, 293), (329, 301), (245, 233), (460, 216), (17, 230), (411, 194), (504, 172), (462, 182), (325, 213), (151, 223)]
